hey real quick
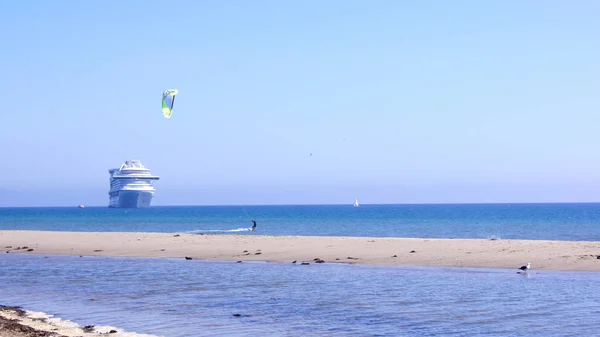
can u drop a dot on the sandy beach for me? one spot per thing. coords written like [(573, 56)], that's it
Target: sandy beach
[(543, 255)]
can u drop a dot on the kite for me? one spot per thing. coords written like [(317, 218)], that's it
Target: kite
[(168, 99)]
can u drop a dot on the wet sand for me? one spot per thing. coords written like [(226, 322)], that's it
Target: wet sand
[(543, 255), (16, 322)]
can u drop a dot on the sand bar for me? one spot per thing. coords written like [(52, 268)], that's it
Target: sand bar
[(476, 253)]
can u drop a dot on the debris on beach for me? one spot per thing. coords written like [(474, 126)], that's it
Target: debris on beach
[(88, 328), (16, 322), (188, 258), (318, 260), (413, 251), (352, 258), (394, 255)]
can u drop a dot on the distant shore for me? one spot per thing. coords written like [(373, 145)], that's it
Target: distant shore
[(474, 253)]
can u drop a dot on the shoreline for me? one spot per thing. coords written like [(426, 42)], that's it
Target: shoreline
[(377, 251), (17, 322)]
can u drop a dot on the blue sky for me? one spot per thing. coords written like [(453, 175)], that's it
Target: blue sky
[(398, 101)]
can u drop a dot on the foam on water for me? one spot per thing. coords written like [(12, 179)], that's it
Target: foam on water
[(202, 231), (176, 297)]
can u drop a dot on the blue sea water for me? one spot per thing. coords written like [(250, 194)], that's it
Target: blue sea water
[(574, 222), (176, 297)]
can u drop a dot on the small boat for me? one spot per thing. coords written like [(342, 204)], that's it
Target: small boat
[(356, 203), (81, 206)]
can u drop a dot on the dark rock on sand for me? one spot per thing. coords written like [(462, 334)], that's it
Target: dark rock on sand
[(188, 258), (88, 328)]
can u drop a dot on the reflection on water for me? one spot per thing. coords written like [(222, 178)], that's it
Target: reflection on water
[(175, 297)]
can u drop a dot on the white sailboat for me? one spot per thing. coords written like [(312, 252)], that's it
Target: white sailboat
[(356, 203)]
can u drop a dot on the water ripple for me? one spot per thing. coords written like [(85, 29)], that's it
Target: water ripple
[(173, 298)]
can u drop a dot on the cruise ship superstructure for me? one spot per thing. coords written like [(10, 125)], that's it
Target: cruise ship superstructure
[(131, 186)]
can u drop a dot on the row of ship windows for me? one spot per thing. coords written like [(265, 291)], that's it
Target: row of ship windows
[(131, 184), (115, 182)]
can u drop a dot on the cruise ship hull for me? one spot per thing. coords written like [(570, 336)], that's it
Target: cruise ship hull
[(132, 199), (131, 185)]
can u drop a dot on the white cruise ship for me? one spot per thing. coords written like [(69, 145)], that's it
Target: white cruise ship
[(131, 186)]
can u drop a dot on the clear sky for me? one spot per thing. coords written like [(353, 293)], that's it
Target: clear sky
[(398, 101)]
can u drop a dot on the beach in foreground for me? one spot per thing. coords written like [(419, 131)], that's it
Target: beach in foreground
[(475, 253), (16, 322)]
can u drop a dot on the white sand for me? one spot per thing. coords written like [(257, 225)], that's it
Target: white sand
[(543, 255)]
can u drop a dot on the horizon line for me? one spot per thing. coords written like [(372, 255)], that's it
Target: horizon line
[(328, 204)]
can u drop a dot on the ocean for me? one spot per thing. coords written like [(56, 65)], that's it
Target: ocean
[(176, 297), (573, 222)]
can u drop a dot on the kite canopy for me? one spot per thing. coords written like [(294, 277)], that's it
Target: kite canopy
[(168, 99)]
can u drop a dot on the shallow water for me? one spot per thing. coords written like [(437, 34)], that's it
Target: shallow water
[(506, 221), (176, 297)]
